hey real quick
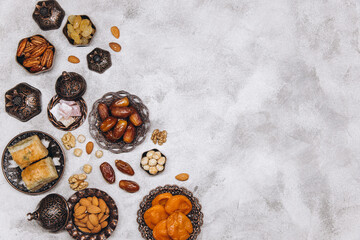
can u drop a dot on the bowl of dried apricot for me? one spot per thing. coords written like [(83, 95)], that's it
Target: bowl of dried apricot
[(170, 212), (94, 214), (79, 30)]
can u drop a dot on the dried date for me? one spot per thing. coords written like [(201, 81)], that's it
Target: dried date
[(129, 186), (108, 172), (124, 167)]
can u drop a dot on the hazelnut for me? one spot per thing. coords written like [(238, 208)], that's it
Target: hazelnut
[(146, 167), (162, 161), (81, 138), (149, 154), (99, 153), (78, 152), (153, 170), (144, 161), (87, 168), (159, 167), (152, 162)]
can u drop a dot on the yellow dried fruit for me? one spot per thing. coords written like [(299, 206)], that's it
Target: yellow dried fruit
[(115, 31), (84, 23), (73, 59), (77, 21)]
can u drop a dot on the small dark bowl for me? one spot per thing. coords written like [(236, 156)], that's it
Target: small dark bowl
[(78, 120), (71, 41), (112, 220), (195, 216), (23, 102), (120, 146), (144, 155), (21, 59), (48, 15)]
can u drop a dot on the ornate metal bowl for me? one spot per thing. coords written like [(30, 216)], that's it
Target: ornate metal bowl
[(12, 172), (71, 41), (78, 120), (23, 102), (195, 216), (120, 146), (113, 218), (48, 15), (52, 213), (99, 60)]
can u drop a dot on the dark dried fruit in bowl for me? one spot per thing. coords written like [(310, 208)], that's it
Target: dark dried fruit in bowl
[(108, 172), (108, 124), (120, 112), (135, 118), (129, 134), (119, 129), (122, 102), (110, 136), (129, 186), (103, 111), (124, 167)]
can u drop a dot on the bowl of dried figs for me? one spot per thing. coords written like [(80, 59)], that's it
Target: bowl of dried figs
[(35, 54), (119, 121)]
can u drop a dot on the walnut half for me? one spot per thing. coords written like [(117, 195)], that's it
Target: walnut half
[(68, 140)]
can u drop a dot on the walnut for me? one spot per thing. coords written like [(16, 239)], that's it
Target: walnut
[(159, 137), (77, 182), (68, 140)]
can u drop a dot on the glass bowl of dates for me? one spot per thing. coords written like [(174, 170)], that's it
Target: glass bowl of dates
[(93, 214), (79, 30), (170, 212), (35, 54), (153, 162), (119, 122)]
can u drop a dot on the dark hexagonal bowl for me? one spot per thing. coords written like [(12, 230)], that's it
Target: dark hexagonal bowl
[(23, 102), (48, 15), (99, 60)]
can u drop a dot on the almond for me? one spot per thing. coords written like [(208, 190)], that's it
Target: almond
[(96, 229), (93, 219), (100, 215), (89, 225), (90, 199), (104, 218), (102, 205), (95, 201), (76, 206), (84, 229), (115, 31), (104, 224), (79, 224), (182, 177), (80, 217), (73, 59), (89, 147), (107, 211), (115, 46), (93, 209), (80, 210), (85, 202), (85, 219)]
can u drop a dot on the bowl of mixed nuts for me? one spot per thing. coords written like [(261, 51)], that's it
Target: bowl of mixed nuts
[(35, 54)]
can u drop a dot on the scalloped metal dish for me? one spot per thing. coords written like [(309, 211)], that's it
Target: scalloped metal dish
[(120, 146), (12, 172), (113, 218), (195, 216)]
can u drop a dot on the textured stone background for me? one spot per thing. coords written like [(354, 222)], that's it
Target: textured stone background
[(260, 99)]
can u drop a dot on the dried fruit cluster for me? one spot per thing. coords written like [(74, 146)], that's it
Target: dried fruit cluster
[(79, 29), (35, 54), (91, 214)]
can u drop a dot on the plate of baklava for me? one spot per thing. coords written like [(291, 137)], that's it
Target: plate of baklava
[(33, 162)]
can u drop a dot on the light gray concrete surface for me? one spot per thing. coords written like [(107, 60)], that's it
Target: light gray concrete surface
[(260, 100)]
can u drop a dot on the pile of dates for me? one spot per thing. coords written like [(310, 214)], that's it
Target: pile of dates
[(119, 120), (35, 54)]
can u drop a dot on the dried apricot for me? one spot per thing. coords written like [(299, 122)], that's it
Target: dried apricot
[(161, 199), (160, 231), (154, 215), (178, 203)]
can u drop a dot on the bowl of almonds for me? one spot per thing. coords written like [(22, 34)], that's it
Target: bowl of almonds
[(93, 214)]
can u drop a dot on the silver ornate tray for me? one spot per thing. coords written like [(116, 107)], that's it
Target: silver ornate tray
[(12, 171), (120, 146)]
